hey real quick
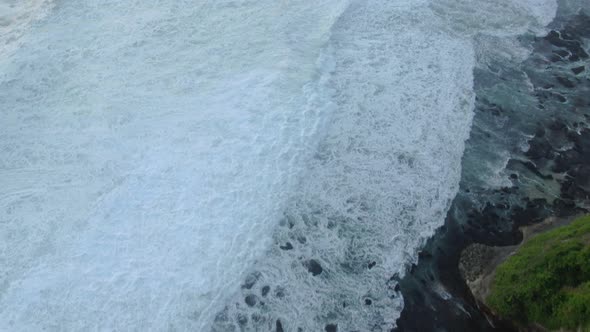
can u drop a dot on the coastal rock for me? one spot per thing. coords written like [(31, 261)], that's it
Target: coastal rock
[(477, 264)]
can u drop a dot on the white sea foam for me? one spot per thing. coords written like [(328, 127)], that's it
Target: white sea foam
[(382, 179), (385, 173), (147, 152), (149, 149), (16, 16)]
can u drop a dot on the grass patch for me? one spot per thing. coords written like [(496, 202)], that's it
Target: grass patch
[(547, 280)]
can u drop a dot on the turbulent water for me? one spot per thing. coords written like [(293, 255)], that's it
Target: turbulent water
[(230, 165), (527, 159)]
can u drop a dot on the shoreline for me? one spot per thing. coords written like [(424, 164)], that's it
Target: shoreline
[(535, 113), (478, 262)]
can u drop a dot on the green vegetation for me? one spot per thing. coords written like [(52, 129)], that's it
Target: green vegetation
[(548, 280)]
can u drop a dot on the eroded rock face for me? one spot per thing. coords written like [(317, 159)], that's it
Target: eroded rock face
[(475, 260)]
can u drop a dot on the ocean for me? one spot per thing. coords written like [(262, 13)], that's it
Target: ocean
[(233, 165)]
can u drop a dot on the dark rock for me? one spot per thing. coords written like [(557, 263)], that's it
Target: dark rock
[(534, 211), (539, 147), (331, 328), (424, 254), (372, 265), (314, 267), (242, 319), (368, 301), (580, 53), (578, 70), (279, 292), (562, 53), (287, 246), (533, 168), (559, 97), (565, 207), (302, 239), (278, 326), (251, 300), (565, 160), (251, 280), (565, 82), (265, 290), (554, 38)]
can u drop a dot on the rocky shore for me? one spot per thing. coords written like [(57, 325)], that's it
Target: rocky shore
[(526, 163), (478, 262)]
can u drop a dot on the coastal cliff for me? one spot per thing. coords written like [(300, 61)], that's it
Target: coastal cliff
[(539, 284)]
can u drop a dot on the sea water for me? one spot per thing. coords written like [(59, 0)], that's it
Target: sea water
[(156, 154)]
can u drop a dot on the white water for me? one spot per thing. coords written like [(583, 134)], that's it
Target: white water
[(149, 149), (16, 16)]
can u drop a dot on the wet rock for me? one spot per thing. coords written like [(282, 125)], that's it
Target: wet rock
[(287, 246), (562, 53), (534, 211), (533, 168), (279, 326), (539, 147), (279, 292), (564, 207), (559, 97), (565, 82), (242, 320), (251, 300), (578, 70), (331, 328), (265, 290), (424, 254), (564, 160), (251, 280), (314, 267), (554, 38)]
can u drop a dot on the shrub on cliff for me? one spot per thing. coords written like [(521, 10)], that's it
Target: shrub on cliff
[(547, 280)]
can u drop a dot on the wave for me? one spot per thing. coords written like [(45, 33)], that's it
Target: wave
[(148, 151), (386, 171), (159, 154)]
